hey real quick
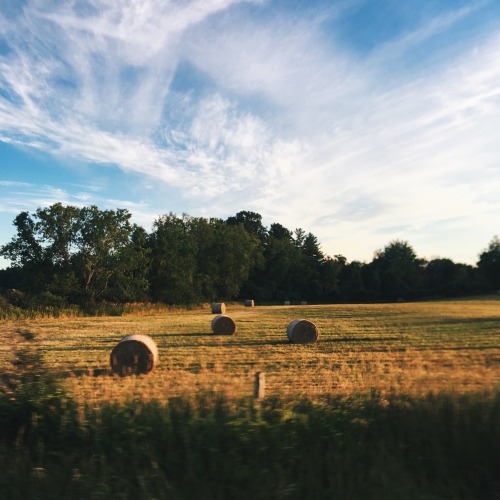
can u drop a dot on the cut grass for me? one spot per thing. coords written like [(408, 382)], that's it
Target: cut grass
[(411, 348)]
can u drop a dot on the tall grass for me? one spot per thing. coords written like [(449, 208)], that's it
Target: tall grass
[(33, 312), (437, 447)]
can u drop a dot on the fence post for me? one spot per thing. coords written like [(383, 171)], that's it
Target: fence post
[(260, 386)]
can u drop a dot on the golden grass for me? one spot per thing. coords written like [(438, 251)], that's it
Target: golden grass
[(408, 348)]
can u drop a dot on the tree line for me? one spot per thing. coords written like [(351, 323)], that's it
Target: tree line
[(63, 255)]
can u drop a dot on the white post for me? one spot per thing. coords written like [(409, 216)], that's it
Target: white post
[(260, 386)]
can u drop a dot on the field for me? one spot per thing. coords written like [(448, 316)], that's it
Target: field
[(410, 348), (404, 397)]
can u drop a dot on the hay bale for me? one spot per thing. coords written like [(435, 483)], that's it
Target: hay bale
[(223, 325), (287, 302), (219, 308), (134, 354), (249, 303), (303, 303), (302, 331)]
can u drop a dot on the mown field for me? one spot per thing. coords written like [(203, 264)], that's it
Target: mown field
[(392, 401), (411, 348)]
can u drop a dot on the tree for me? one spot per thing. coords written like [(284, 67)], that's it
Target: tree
[(252, 224), (102, 239), (72, 252), (42, 248), (251, 221), (329, 273), (198, 259), (399, 270), (130, 281), (236, 253), (446, 278), (312, 264), (279, 232), (351, 281), (489, 265), (173, 260), (280, 264), (25, 247)]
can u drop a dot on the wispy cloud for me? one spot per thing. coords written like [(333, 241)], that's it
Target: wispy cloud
[(277, 115)]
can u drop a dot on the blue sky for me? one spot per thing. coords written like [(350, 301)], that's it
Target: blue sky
[(360, 121)]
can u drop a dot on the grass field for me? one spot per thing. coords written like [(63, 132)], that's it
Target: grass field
[(410, 348), (392, 401)]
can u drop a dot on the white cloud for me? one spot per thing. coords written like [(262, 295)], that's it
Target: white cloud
[(280, 120)]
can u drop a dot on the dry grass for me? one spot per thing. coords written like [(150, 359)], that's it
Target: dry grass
[(408, 348)]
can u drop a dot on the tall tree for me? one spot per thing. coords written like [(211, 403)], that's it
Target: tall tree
[(275, 281), (351, 281), (69, 251), (173, 260), (236, 253), (445, 278), (312, 265), (103, 236), (251, 221), (398, 269), (42, 248), (130, 280), (489, 265)]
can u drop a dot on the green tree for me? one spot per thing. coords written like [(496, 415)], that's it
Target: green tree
[(489, 265), (25, 247), (281, 261), (103, 237), (312, 265), (251, 221), (130, 280), (446, 278), (351, 281), (173, 260), (197, 259), (252, 224), (398, 269), (329, 275), (236, 253), (204, 231), (72, 252), (42, 248)]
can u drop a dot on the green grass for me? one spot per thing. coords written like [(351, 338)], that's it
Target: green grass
[(437, 447)]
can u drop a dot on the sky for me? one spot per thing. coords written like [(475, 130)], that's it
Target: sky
[(360, 121)]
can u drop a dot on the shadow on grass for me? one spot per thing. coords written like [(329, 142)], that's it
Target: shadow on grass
[(87, 372), (190, 334), (358, 339)]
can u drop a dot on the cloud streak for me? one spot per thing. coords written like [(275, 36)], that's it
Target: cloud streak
[(236, 109)]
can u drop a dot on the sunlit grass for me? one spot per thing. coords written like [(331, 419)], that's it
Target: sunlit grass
[(411, 348)]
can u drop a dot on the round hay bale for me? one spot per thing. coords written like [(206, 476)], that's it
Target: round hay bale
[(249, 303), (223, 325), (303, 303), (302, 331), (218, 308), (133, 355), (287, 302)]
